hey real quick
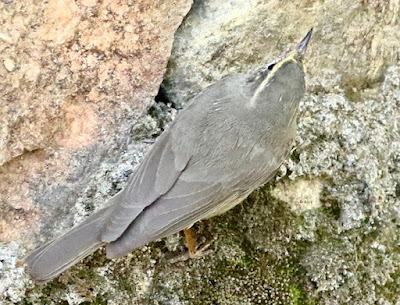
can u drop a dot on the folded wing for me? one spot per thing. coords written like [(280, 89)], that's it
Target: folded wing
[(153, 178), (186, 203)]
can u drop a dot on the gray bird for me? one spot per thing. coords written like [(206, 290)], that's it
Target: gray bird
[(229, 140)]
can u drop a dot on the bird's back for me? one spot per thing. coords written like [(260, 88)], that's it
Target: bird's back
[(227, 161), (226, 139)]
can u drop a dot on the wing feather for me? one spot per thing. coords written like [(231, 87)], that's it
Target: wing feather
[(154, 177), (183, 205)]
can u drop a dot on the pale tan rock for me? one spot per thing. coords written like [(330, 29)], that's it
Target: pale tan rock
[(301, 195), (9, 64), (79, 80)]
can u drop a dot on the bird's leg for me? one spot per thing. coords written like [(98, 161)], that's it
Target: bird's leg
[(193, 252), (191, 244), (190, 241)]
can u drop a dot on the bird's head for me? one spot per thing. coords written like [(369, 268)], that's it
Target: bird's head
[(282, 79)]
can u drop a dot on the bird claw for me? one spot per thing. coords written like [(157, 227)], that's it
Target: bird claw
[(199, 253)]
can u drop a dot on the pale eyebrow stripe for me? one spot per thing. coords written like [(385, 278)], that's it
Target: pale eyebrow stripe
[(264, 83)]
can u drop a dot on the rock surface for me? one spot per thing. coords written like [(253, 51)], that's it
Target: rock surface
[(74, 78), (327, 231)]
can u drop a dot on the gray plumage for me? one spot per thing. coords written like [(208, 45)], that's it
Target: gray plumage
[(229, 140)]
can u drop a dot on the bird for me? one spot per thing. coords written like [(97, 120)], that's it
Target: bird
[(229, 140)]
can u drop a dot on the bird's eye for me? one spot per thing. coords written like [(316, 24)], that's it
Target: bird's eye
[(270, 67)]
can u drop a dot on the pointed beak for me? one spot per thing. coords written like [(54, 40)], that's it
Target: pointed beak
[(302, 46)]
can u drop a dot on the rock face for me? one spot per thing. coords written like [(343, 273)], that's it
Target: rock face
[(76, 76)]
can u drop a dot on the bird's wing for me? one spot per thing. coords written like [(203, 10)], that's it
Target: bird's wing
[(192, 198), (154, 177), (186, 203), (166, 161)]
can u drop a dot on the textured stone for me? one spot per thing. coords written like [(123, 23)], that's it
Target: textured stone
[(301, 194), (82, 80), (240, 35), (9, 64), (74, 78)]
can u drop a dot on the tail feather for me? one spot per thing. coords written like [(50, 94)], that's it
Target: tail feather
[(56, 256)]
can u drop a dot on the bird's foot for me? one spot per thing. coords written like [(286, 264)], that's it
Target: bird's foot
[(196, 254), (199, 253)]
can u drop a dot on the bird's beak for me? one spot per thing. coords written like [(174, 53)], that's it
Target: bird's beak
[(302, 46)]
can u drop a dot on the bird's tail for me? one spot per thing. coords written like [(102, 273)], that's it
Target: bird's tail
[(56, 256)]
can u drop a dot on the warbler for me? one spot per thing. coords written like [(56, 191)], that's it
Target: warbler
[(230, 139)]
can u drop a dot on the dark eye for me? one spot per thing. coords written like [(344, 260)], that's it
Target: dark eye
[(270, 67)]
